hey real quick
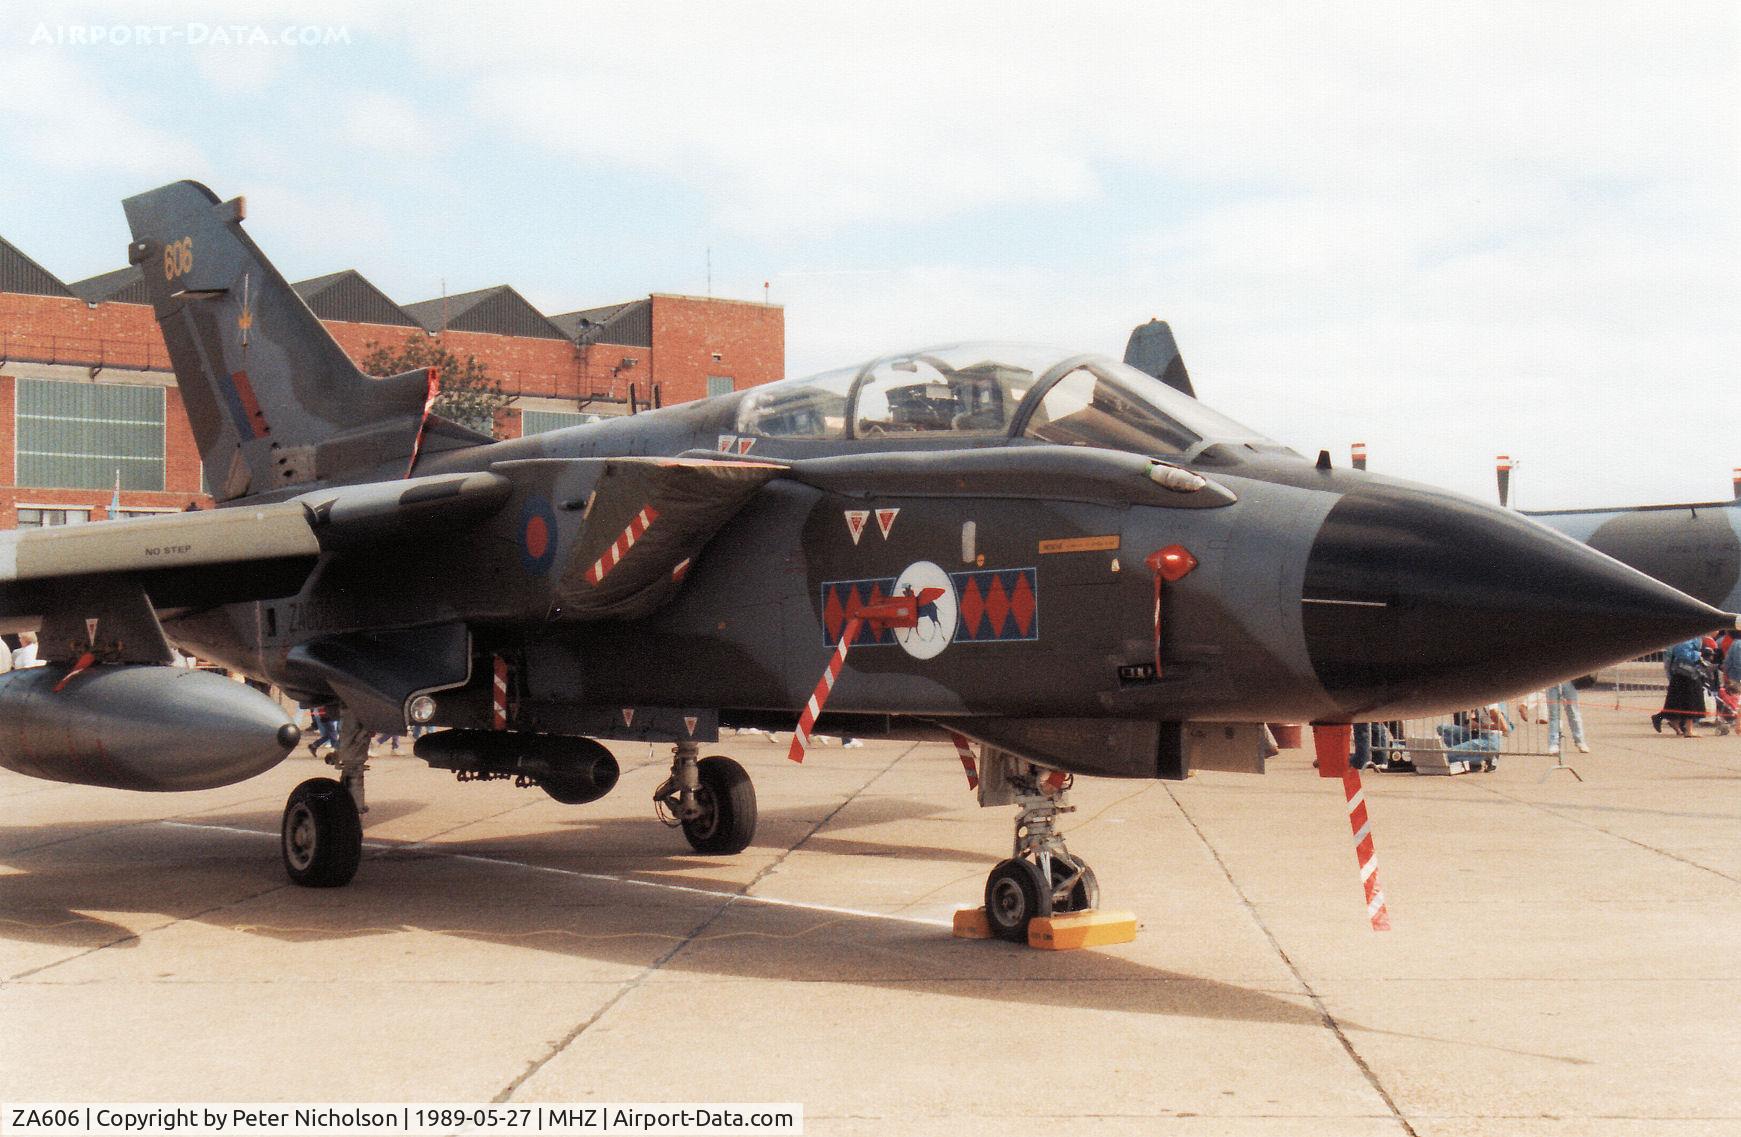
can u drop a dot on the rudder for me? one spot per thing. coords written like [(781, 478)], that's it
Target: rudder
[(273, 400)]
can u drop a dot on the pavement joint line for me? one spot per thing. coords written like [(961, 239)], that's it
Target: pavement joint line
[(635, 983), (1578, 821), (1328, 1019)]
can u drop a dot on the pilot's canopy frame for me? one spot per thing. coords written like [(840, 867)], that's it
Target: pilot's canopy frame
[(983, 392)]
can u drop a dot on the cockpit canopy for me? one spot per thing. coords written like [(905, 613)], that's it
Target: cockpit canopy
[(988, 391)]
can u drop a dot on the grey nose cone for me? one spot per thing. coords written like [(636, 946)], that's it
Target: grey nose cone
[(1416, 601)]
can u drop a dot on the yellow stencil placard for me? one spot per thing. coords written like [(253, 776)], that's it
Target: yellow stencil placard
[(1080, 544)]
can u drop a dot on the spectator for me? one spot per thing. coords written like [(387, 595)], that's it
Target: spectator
[(1476, 736), (326, 725), (1379, 745), (25, 656), (1685, 701), (1565, 695)]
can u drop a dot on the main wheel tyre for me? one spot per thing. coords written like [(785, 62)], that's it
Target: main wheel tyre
[(321, 835), (727, 822), (1084, 894), (1015, 893)]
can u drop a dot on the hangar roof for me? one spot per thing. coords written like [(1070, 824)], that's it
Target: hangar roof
[(499, 310), (630, 323), (18, 273), (350, 296)]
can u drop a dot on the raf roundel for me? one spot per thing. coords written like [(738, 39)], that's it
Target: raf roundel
[(537, 536)]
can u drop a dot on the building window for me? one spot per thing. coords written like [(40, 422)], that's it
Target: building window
[(34, 517), (719, 385), (79, 435), (537, 422)]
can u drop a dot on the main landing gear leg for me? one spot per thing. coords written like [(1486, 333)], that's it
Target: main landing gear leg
[(1043, 877), (321, 834), (712, 799)]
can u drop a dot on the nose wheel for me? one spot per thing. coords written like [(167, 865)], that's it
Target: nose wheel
[(1043, 878), (321, 834)]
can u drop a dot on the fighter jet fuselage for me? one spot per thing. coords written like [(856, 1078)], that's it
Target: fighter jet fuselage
[(1317, 594), (1055, 554)]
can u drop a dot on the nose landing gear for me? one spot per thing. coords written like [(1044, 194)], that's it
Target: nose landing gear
[(321, 831), (1043, 878)]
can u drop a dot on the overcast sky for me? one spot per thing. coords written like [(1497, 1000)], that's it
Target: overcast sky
[(1449, 231)]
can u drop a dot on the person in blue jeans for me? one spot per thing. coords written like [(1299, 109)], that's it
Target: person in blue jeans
[(1565, 695), (326, 725), (1374, 745), (1475, 737)]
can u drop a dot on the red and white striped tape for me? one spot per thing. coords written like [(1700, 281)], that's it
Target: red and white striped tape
[(624, 542), (499, 696), (432, 377), (892, 612), (819, 697), (964, 749), (84, 664), (1363, 851)]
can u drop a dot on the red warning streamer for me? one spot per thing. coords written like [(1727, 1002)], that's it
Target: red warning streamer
[(1363, 851), (434, 379), (499, 696), (85, 662), (1170, 564), (964, 749), (1332, 742), (624, 542), (895, 612), (819, 697)]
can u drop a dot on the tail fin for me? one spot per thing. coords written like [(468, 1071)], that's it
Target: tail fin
[(274, 401), (1153, 350)]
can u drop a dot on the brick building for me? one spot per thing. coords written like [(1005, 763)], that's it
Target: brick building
[(87, 397)]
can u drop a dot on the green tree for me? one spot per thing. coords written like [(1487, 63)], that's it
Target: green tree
[(469, 395)]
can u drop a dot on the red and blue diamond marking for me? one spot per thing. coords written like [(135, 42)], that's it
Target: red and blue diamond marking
[(995, 606)]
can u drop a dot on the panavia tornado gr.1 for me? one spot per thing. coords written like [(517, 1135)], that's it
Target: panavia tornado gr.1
[(1056, 556)]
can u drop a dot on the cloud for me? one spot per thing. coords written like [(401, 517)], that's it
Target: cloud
[(56, 117), (1593, 339), (389, 125), (807, 119), (353, 227), (1450, 229)]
